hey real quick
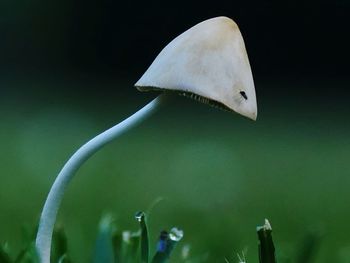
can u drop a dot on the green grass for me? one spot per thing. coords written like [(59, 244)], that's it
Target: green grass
[(219, 174), (114, 245)]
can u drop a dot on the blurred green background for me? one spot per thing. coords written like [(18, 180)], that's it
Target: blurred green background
[(220, 175), (67, 73)]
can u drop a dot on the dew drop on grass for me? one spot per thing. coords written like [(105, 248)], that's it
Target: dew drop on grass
[(139, 216), (176, 234)]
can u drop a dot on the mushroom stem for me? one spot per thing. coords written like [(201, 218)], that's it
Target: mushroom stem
[(54, 198)]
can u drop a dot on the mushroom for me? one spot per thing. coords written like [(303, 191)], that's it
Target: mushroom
[(208, 63)]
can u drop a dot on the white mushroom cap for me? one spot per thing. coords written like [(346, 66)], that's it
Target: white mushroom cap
[(207, 62)]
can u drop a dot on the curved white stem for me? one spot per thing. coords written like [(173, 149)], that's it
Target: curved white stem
[(54, 198)]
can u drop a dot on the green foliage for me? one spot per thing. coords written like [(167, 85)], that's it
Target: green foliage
[(114, 245)]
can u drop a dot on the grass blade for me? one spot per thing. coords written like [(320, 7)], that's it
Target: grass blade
[(28, 255), (308, 248), (63, 259), (166, 244), (161, 255), (130, 245), (4, 255), (60, 247), (141, 218), (266, 246), (104, 252), (117, 241)]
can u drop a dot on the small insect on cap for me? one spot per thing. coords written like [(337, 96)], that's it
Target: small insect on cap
[(208, 62)]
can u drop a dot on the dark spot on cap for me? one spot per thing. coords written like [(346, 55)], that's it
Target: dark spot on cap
[(244, 95)]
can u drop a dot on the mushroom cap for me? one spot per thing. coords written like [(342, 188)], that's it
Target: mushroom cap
[(208, 62)]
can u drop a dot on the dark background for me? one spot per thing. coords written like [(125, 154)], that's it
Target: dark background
[(122, 37)]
